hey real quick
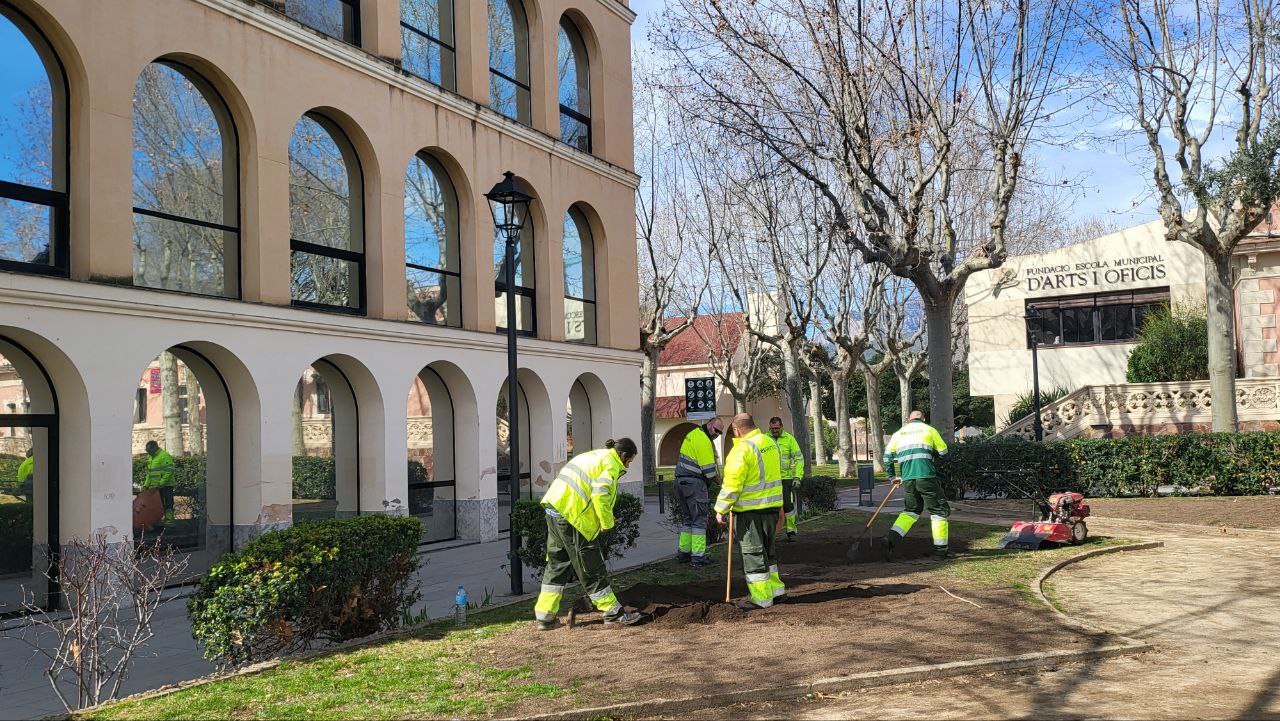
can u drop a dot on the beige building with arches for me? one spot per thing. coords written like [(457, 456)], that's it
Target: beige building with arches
[(276, 196)]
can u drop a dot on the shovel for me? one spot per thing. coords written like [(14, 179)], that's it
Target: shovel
[(728, 572), (852, 554)]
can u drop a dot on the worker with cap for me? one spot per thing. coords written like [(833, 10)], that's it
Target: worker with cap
[(579, 505), (916, 447), (752, 492), (695, 470), (792, 462)]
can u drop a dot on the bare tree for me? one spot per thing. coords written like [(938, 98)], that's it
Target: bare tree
[(112, 591), (886, 107), (1177, 71)]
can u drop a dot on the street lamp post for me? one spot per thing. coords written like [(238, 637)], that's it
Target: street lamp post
[(1037, 427), (510, 207)]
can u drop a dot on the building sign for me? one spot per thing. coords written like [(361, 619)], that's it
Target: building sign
[(699, 399), (155, 380), (1092, 273)]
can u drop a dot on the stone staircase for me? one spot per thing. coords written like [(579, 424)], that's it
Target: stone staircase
[(1149, 408)]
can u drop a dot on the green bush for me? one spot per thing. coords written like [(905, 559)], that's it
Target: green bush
[(314, 477), (1173, 345), (9, 472), (417, 473), (16, 537), (1024, 405), (1222, 464), (818, 494), (315, 582), (715, 533), (530, 522)]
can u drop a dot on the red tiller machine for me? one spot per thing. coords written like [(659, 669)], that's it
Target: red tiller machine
[(1061, 522)]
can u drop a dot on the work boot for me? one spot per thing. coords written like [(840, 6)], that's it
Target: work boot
[(746, 604), (549, 625), (791, 536), (886, 545), (940, 553), (701, 561), (683, 556), (625, 618)]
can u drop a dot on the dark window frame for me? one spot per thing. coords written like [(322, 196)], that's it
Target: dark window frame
[(452, 82), (580, 220), (569, 112), (1139, 298), (530, 292), (354, 40), (516, 24), (429, 160), (357, 257), (58, 200), (565, 110), (452, 482)]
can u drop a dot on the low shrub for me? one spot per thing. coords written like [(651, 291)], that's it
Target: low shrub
[(1222, 464), (1024, 404), (314, 477), (818, 494), (9, 472), (715, 532), (16, 537), (530, 522), (313, 583)]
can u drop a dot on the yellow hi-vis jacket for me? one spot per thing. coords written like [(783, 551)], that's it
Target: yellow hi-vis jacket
[(697, 457), (585, 490), (789, 456), (159, 470), (752, 475)]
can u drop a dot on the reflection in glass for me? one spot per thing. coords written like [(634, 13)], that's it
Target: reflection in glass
[(426, 37), (323, 280), (509, 60), (335, 18), (433, 280), (574, 87), (315, 479), (324, 216), (579, 279)]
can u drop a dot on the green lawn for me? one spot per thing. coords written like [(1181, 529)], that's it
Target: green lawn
[(433, 674)]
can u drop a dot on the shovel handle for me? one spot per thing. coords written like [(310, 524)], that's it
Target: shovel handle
[(728, 574), (883, 501)]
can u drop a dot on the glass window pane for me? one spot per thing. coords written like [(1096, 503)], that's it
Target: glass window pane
[(579, 321), (523, 257), (430, 17), (178, 160), (575, 132), (26, 232), (26, 112), (334, 18), (319, 187), (430, 217), (24, 503), (1077, 325), (434, 297), (505, 97), (505, 40), (324, 280), (179, 256), (420, 56), (524, 312), (567, 62)]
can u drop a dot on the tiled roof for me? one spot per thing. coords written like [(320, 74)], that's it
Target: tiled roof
[(668, 407), (719, 333)]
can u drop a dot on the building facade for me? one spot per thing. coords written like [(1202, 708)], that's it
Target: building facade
[(242, 202), (1092, 298)]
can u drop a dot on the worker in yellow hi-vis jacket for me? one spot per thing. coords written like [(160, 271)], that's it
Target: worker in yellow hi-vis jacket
[(792, 462), (752, 492)]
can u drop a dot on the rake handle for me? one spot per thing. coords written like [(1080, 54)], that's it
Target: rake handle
[(728, 574), (881, 506)]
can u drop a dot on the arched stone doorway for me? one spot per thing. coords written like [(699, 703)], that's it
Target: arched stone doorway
[(669, 449), (325, 422)]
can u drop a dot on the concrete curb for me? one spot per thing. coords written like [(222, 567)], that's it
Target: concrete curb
[(1039, 584)]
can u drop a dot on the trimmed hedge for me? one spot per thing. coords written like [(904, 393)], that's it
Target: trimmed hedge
[(315, 582), (16, 537), (1220, 464), (314, 477), (531, 523), (818, 494)]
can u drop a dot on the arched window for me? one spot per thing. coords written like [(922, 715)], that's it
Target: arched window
[(524, 284), (426, 40), (33, 151), (509, 60), (325, 218), (186, 218), (579, 279), (336, 18), (575, 87), (432, 272)]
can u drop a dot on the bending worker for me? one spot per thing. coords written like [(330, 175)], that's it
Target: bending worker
[(579, 507), (792, 462), (160, 467), (753, 491), (695, 469), (915, 447)]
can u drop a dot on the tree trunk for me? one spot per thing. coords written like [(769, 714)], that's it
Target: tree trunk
[(295, 419), (937, 316), (648, 396), (875, 421), (195, 426), (795, 405), (739, 402), (819, 424), (170, 410), (844, 437), (904, 391), (1222, 343)]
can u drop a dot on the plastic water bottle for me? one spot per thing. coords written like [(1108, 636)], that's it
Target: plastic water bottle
[(460, 607)]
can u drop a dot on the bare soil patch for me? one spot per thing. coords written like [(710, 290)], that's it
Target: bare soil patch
[(1261, 512), (840, 619)]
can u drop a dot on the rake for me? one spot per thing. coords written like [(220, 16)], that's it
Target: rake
[(852, 554)]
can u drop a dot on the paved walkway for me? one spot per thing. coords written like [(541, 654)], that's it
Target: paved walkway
[(173, 655)]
